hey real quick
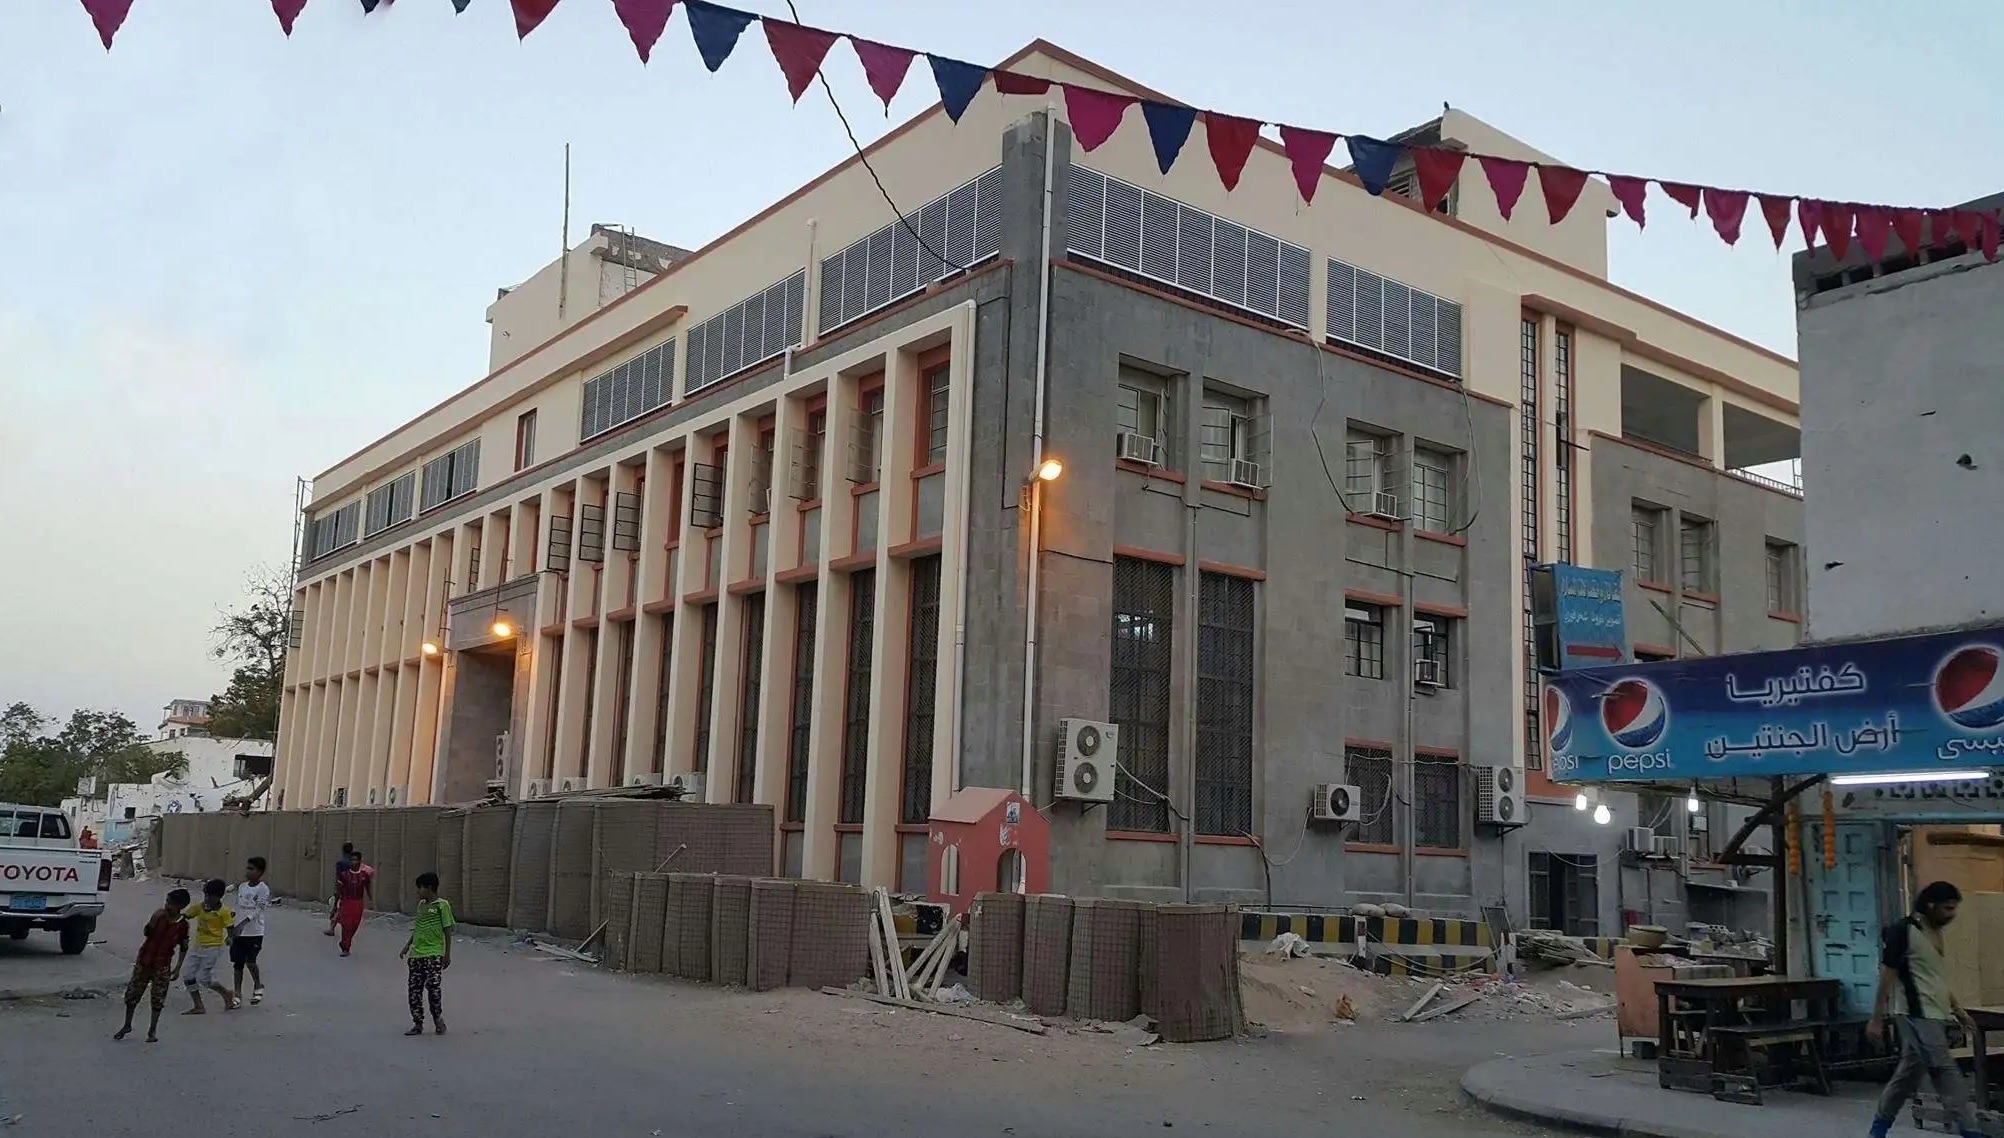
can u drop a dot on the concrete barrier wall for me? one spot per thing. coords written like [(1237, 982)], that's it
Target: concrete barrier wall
[(490, 856), (535, 841), (449, 856)]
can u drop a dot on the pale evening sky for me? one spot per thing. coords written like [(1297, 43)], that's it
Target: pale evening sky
[(227, 260)]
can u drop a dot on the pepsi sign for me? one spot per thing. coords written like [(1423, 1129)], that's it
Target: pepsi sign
[(1915, 703)]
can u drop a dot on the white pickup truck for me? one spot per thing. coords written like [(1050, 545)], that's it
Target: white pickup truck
[(46, 881)]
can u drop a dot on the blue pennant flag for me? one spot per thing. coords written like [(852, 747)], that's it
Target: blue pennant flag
[(716, 30), (958, 83), (370, 5), (1373, 159), (460, 5), (1168, 128)]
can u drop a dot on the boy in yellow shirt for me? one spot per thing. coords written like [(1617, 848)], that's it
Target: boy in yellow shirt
[(211, 921)]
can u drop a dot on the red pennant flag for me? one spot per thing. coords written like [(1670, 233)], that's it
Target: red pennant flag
[(1837, 228), (1940, 226), (287, 11), (1308, 152), (1231, 140), (1506, 180), (1633, 194), (884, 66), (1990, 236), (529, 14), (1907, 227), (645, 20), (1776, 211), (1438, 169), (1727, 209), (1562, 186), (1011, 83), (108, 16), (1686, 196), (1810, 215), (799, 51), (1969, 226), (1095, 114), (1875, 226)]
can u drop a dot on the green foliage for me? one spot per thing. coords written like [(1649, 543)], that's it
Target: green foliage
[(41, 769), (256, 637)]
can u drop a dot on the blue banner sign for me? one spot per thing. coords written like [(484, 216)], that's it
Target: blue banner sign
[(1915, 703), (1584, 609)]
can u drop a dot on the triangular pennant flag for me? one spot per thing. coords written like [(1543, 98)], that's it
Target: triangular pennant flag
[(1907, 227), (370, 6), (716, 30), (1727, 209), (1506, 180), (1373, 160), (529, 14), (458, 6), (1990, 236), (1969, 226), (884, 66), (1168, 129), (799, 51), (958, 83), (645, 20), (1231, 140), (1438, 168), (1837, 228), (1562, 186), (1809, 214), (1010, 83), (1308, 152), (1686, 196), (1095, 114), (1940, 226), (1633, 194), (1875, 227), (1776, 211), (287, 11), (108, 16)]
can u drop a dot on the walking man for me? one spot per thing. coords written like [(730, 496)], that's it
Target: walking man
[(1914, 990), (253, 897), (334, 899), (352, 895)]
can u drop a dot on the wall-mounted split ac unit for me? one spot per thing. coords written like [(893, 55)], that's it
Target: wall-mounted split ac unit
[(1499, 796), (1140, 448), (1088, 752), (1336, 802), (690, 784), (571, 784), (1250, 475), (1385, 504), (536, 788)]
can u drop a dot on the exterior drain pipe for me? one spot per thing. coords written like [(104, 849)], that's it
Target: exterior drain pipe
[(1034, 495)]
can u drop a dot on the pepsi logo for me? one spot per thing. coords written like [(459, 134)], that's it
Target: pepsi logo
[(1558, 720), (1635, 714), (1969, 687)]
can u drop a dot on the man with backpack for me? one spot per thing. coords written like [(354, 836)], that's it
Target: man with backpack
[(1914, 990)]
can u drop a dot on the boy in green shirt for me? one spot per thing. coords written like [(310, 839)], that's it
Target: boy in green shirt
[(429, 951)]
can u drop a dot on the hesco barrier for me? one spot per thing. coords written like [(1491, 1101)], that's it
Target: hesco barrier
[(535, 842)]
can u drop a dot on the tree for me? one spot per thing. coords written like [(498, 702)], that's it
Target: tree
[(41, 769), (255, 637)]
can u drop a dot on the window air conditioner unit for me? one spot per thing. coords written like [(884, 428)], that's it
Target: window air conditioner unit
[(1088, 751), (1248, 474), (1427, 674), (645, 780), (1140, 448), (1641, 839), (1385, 504), (537, 788), (1499, 796), (571, 784), (690, 784), (1336, 802), (1668, 845)]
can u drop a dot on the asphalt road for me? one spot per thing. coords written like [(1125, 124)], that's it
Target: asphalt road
[(540, 1046)]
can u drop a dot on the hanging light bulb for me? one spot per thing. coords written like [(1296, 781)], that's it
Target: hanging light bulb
[(1692, 804), (1602, 815), (1580, 801)]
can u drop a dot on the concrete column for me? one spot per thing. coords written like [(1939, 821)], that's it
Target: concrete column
[(953, 557), (575, 687), (684, 582), (1712, 430), (616, 583), (291, 702), (734, 561), (381, 720), (820, 855), (525, 535), (650, 587), (884, 778), (776, 653), (493, 548), (431, 675)]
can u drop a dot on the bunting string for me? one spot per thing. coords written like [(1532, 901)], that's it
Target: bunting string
[(1097, 114)]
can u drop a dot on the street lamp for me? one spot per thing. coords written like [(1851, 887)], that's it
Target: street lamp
[(1050, 470), (429, 648), (501, 628)]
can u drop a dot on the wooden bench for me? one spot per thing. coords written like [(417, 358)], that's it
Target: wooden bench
[(1787, 1053)]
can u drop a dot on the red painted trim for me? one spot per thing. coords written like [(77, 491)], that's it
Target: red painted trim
[(655, 608), (810, 504), (1224, 840), (854, 562), (1701, 597), (743, 588), (1141, 554), (791, 827), (1228, 569), (932, 357), (1791, 617), (1147, 471), (910, 828), (1654, 586), (584, 622), (858, 489), (1370, 847), (757, 520), (620, 614), (1365, 596), (796, 576), (703, 597), (919, 548), (1432, 851), (929, 470), (556, 629), (1374, 522), (1234, 491), (1437, 752), (1455, 612), (1379, 744), (1139, 836), (1442, 538)]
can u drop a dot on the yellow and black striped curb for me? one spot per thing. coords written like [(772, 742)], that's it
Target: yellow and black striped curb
[(1331, 928), (1430, 966)]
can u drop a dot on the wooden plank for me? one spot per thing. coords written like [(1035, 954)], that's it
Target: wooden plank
[(1032, 1027), (1454, 1005), (896, 961), (924, 962), (1424, 999), (937, 973), (877, 959)]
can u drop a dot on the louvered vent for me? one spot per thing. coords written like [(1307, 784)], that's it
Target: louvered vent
[(963, 225), (1394, 319)]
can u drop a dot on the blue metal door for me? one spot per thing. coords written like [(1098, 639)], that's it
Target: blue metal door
[(1843, 913)]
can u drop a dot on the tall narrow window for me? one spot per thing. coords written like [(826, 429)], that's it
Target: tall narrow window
[(666, 685), (1369, 769), (1562, 441), (1364, 641), (1782, 575), (1138, 425), (525, 440), (1224, 705), (1437, 802), (590, 697), (870, 439), (936, 394), (1529, 489), (810, 457), (856, 692), (1433, 651), (1229, 445), (1695, 559), (1433, 491), (1143, 652), (556, 650), (754, 662), (806, 609), (921, 686), (622, 700), (1646, 536), (706, 688)]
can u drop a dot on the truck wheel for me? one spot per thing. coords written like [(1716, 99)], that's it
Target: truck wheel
[(76, 934), (20, 933)]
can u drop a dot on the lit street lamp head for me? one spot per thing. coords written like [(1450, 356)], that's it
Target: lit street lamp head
[(1049, 470), (429, 648), (502, 628)]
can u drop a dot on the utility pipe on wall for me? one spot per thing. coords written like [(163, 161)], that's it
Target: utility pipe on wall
[(1036, 489)]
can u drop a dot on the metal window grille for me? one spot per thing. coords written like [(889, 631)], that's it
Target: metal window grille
[(1369, 769), (1562, 442), (665, 684), (450, 475), (557, 556), (706, 495), (936, 403), (866, 445), (807, 457), (1433, 491), (1224, 704), (1437, 785), (747, 334), (1138, 411), (295, 628), (1565, 893), (1370, 464), (1643, 527), (391, 504), (591, 532), (856, 695), (1364, 641), (754, 664), (1144, 601), (622, 697), (758, 482), (628, 390), (1157, 237), (888, 265), (337, 530), (1433, 649), (626, 522), (1694, 554), (806, 609), (1393, 320), (706, 688), (1528, 491), (1781, 577), (921, 684)]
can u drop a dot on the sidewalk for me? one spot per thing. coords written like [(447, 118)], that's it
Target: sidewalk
[(1604, 1093)]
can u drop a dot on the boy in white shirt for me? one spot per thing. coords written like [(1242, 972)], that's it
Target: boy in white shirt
[(253, 897)]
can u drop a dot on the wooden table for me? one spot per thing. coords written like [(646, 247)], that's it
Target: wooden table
[(1983, 1020), (1688, 1011)]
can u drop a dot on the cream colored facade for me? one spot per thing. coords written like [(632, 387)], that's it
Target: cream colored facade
[(367, 712)]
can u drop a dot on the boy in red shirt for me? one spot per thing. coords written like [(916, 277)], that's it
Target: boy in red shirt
[(357, 884), (162, 948)]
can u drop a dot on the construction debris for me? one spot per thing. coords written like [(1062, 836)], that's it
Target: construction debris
[(998, 1019), (1544, 947)]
